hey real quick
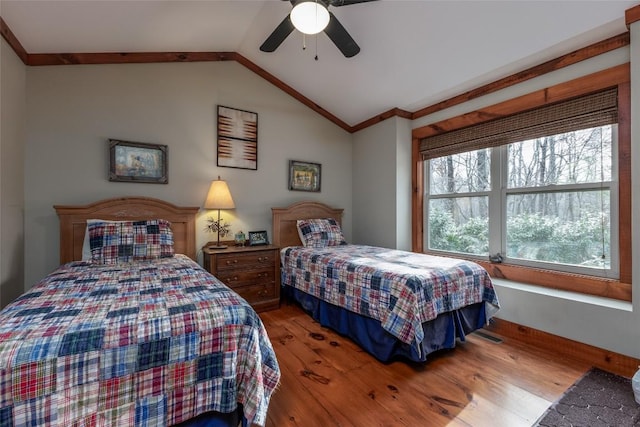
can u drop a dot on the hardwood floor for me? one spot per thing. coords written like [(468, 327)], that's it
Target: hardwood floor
[(327, 380)]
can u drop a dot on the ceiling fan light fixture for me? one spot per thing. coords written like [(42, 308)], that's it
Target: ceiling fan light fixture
[(310, 17)]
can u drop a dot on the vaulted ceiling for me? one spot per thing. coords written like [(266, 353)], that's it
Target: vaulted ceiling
[(414, 53)]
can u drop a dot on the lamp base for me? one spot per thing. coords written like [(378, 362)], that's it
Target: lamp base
[(218, 247)]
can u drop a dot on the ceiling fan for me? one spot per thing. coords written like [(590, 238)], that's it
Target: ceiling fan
[(312, 17)]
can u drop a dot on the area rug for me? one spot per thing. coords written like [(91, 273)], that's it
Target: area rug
[(599, 398)]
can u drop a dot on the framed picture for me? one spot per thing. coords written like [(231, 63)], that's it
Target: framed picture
[(258, 238), (304, 176), (237, 138), (137, 162)]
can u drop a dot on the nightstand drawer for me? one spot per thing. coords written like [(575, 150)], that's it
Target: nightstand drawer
[(234, 278), (257, 293), (257, 259)]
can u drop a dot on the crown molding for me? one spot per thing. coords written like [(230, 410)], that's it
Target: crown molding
[(40, 59), (8, 35), (632, 15)]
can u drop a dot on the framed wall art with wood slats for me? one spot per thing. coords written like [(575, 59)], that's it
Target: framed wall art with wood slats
[(237, 138)]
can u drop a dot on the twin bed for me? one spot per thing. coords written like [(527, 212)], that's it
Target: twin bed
[(130, 330), (138, 335), (394, 304)]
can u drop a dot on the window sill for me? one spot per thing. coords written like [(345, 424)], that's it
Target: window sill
[(573, 283), (577, 284), (567, 295)]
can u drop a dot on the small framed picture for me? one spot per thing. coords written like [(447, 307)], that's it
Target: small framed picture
[(137, 162), (304, 176), (258, 238)]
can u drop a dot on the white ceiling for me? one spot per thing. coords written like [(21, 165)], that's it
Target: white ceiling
[(414, 52)]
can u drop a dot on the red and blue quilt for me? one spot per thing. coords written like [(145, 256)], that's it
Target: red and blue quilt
[(400, 289), (150, 343)]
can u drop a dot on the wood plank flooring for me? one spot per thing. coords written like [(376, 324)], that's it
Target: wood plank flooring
[(327, 380)]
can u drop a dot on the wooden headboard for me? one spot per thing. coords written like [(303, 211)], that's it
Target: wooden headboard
[(73, 221), (285, 231)]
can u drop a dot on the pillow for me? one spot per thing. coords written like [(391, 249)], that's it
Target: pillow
[(318, 233), (126, 241), (86, 245)]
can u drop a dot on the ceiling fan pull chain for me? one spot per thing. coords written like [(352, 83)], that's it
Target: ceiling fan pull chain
[(316, 57), (304, 41)]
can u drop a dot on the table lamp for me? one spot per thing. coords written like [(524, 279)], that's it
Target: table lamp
[(219, 197)]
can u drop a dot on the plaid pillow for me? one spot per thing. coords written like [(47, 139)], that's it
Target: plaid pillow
[(318, 233), (127, 241)]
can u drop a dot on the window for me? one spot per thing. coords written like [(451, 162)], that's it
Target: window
[(458, 203), (551, 202), (564, 197)]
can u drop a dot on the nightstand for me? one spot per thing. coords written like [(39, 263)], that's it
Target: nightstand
[(251, 271)]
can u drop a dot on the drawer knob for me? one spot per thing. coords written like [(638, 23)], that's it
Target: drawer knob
[(235, 261)]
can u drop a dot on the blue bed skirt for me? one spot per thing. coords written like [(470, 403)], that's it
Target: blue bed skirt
[(217, 419), (439, 333)]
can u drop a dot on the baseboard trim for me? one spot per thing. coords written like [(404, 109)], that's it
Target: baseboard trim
[(564, 347)]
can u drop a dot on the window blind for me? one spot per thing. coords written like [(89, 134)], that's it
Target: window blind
[(595, 109)]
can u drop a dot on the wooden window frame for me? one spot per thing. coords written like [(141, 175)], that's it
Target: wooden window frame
[(619, 76)]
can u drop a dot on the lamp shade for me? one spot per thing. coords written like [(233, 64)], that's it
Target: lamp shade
[(219, 196), (310, 17)]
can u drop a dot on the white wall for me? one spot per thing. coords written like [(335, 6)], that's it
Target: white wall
[(12, 137), (374, 185), (382, 185), (404, 178), (635, 177), (73, 110)]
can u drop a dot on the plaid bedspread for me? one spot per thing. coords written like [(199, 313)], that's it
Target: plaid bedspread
[(400, 289), (152, 343)]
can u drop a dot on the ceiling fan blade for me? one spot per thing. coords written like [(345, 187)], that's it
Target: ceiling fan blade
[(278, 35), (338, 3), (341, 38)]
